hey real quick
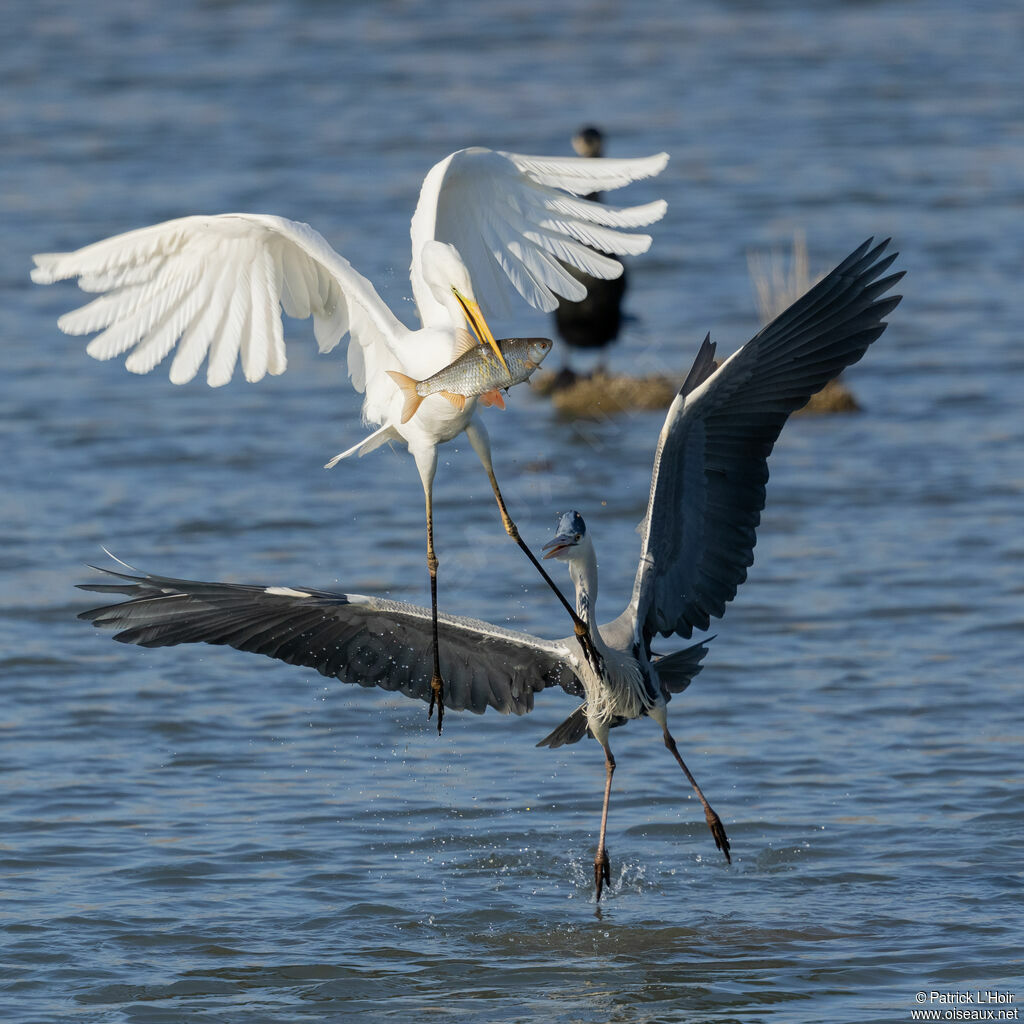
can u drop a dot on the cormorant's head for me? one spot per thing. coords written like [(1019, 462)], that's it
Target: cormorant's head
[(588, 142)]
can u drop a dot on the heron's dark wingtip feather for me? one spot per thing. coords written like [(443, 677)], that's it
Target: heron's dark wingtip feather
[(702, 368)]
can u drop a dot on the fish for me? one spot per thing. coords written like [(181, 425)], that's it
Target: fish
[(474, 371)]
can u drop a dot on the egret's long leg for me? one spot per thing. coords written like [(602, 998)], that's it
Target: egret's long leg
[(602, 868), (713, 820), (482, 446), (436, 685), (426, 463)]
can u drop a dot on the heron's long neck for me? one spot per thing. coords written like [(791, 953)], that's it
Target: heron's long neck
[(583, 571)]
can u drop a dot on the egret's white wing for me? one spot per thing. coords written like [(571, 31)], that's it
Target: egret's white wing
[(214, 287), (513, 217), (710, 468), (364, 640)]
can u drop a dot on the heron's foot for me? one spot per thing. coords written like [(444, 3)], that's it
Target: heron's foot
[(590, 652), (437, 697), (718, 832), (602, 871)]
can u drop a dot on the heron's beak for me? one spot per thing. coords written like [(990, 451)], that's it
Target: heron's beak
[(559, 544), (479, 325)]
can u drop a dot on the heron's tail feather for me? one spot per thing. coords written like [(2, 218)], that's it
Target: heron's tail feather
[(368, 444), (572, 730), (676, 670), (413, 400)]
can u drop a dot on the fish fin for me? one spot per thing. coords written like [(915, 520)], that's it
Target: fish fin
[(492, 398), (408, 388), (459, 401), (464, 342), (531, 365)]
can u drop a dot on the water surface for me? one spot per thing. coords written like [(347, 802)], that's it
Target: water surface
[(197, 834)]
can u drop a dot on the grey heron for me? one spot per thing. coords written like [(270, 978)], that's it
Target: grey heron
[(706, 494), (215, 287)]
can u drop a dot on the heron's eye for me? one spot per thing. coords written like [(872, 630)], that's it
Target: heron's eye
[(577, 538)]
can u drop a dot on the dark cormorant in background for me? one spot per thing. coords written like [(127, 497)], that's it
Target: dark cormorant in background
[(593, 322)]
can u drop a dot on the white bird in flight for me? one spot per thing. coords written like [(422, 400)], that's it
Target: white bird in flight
[(213, 288), (697, 540)]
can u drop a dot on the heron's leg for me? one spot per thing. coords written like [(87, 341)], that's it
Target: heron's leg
[(602, 869), (713, 820), (482, 446), (427, 464)]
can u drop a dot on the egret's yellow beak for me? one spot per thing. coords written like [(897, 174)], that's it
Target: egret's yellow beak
[(479, 325)]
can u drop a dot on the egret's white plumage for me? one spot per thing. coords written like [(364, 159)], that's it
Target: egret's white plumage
[(594, 321), (486, 223), (215, 286)]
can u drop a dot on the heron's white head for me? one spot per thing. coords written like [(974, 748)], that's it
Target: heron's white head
[(448, 278), (570, 542)]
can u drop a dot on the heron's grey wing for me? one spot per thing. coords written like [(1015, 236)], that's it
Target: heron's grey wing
[(364, 640), (710, 468)]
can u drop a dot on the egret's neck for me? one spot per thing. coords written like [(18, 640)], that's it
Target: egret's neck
[(583, 570), (433, 313)]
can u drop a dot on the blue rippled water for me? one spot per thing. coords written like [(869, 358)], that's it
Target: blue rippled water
[(194, 834)]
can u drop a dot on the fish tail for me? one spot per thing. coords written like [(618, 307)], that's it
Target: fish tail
[(408, 387)]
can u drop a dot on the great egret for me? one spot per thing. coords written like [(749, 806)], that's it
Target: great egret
[(592, 322), (707, 491), (215, 287)]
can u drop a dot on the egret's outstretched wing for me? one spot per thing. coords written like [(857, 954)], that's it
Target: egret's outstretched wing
[(513, 217), (710, 468), (215, 286), (364, 640)]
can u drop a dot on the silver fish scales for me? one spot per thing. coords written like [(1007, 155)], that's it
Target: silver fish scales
[(476, 371)]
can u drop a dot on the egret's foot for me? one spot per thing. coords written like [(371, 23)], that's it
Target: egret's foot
[(602, 871), (437, 697), (590, 652), (718, 832)]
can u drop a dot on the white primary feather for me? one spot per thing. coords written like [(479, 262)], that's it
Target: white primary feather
[(582, 175)]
